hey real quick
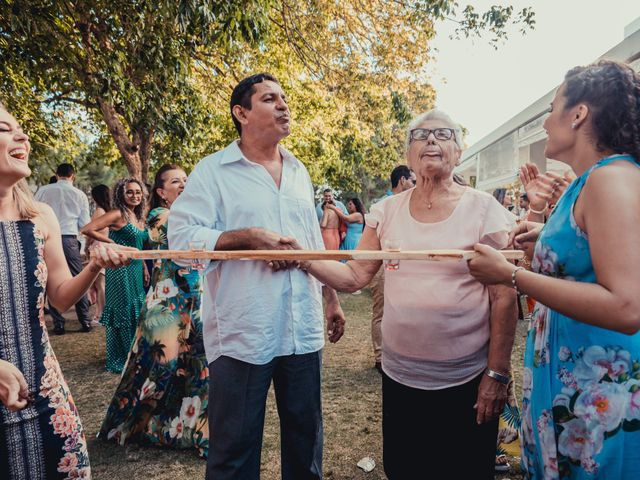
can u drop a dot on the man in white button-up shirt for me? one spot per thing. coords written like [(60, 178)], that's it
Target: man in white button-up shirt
[(71, 206), (261, 322)]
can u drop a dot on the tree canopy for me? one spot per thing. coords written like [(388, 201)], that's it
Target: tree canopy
[(154, 77)]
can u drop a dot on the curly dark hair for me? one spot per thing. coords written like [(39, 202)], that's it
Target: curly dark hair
[(611, 89), (120, 204)]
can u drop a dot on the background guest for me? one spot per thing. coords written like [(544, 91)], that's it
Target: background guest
[(330, 226), (354, 221), (102, 198), (124, 287), (71, 207), (167, 354), (327, 197)]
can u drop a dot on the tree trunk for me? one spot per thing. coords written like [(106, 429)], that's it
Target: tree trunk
[(130, 150), (144, 138)]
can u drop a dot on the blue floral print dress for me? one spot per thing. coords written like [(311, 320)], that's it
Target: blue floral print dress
[(45, 440), (581, 383), (163, 393)]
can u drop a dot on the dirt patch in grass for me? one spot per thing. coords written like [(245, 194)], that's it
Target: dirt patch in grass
[(351, 405)]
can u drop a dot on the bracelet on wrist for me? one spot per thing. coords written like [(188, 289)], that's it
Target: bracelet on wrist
[(497, 376), (538, 212), (513, 278)]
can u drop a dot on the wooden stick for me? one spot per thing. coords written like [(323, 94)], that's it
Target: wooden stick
[(434, 255)]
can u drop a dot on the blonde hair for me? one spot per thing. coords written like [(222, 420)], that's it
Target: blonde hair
[(22, 195), (23, 198)]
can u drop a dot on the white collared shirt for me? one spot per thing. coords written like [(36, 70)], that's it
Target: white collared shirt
[(249, 312), (70, 204)]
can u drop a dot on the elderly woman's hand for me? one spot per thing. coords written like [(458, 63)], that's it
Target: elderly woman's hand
[(492, 395), (489, 266), (109, 255)]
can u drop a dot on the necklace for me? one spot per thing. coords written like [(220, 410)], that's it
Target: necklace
[(429, 205)]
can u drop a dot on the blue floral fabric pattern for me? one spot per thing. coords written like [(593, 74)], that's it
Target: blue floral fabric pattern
[(163, 394), (581, 383)]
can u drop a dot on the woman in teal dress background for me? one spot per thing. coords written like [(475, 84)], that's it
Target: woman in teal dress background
[(124, 287), (581, 378), (163, 394)]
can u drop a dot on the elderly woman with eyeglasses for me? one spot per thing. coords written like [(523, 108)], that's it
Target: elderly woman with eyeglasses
[(447, 338)]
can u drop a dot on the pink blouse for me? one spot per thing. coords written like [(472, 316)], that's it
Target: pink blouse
[(435, 326)]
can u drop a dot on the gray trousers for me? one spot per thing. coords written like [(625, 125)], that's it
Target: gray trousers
[(237, 400), (71, 247)]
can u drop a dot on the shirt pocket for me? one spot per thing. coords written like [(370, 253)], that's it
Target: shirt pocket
[(300, 218)]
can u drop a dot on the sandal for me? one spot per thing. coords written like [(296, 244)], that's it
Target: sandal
[(502, 464)]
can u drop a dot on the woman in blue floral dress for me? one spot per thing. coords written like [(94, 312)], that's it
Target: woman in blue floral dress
[(41, 436), (581, 379), (162, 396)]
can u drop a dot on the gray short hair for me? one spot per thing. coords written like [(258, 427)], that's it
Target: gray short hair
[(434, 115)]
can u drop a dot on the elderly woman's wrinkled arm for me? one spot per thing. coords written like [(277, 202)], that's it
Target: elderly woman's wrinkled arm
[(492, 394), (350, 276)]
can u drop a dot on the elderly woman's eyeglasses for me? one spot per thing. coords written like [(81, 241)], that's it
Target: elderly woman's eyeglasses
[(438, 133)]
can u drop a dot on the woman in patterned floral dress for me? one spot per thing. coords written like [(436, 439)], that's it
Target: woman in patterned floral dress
[(124, 287), (162, 397), (581, 379), (41, 436)]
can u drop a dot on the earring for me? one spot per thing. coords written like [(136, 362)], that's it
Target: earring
[(574, 125)]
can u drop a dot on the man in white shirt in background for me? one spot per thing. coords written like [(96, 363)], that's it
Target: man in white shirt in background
[(259, 325), (71, 207)]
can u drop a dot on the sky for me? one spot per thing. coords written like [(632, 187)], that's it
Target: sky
[(482, 88)]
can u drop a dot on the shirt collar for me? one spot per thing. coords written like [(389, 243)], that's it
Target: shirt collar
[(233, 154)]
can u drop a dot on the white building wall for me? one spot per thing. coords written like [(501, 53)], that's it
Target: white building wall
[(494, 161)]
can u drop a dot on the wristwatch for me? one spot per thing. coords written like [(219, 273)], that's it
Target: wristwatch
[(504, 379)]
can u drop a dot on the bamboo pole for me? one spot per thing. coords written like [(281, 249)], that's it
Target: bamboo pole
[(293, 255)]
